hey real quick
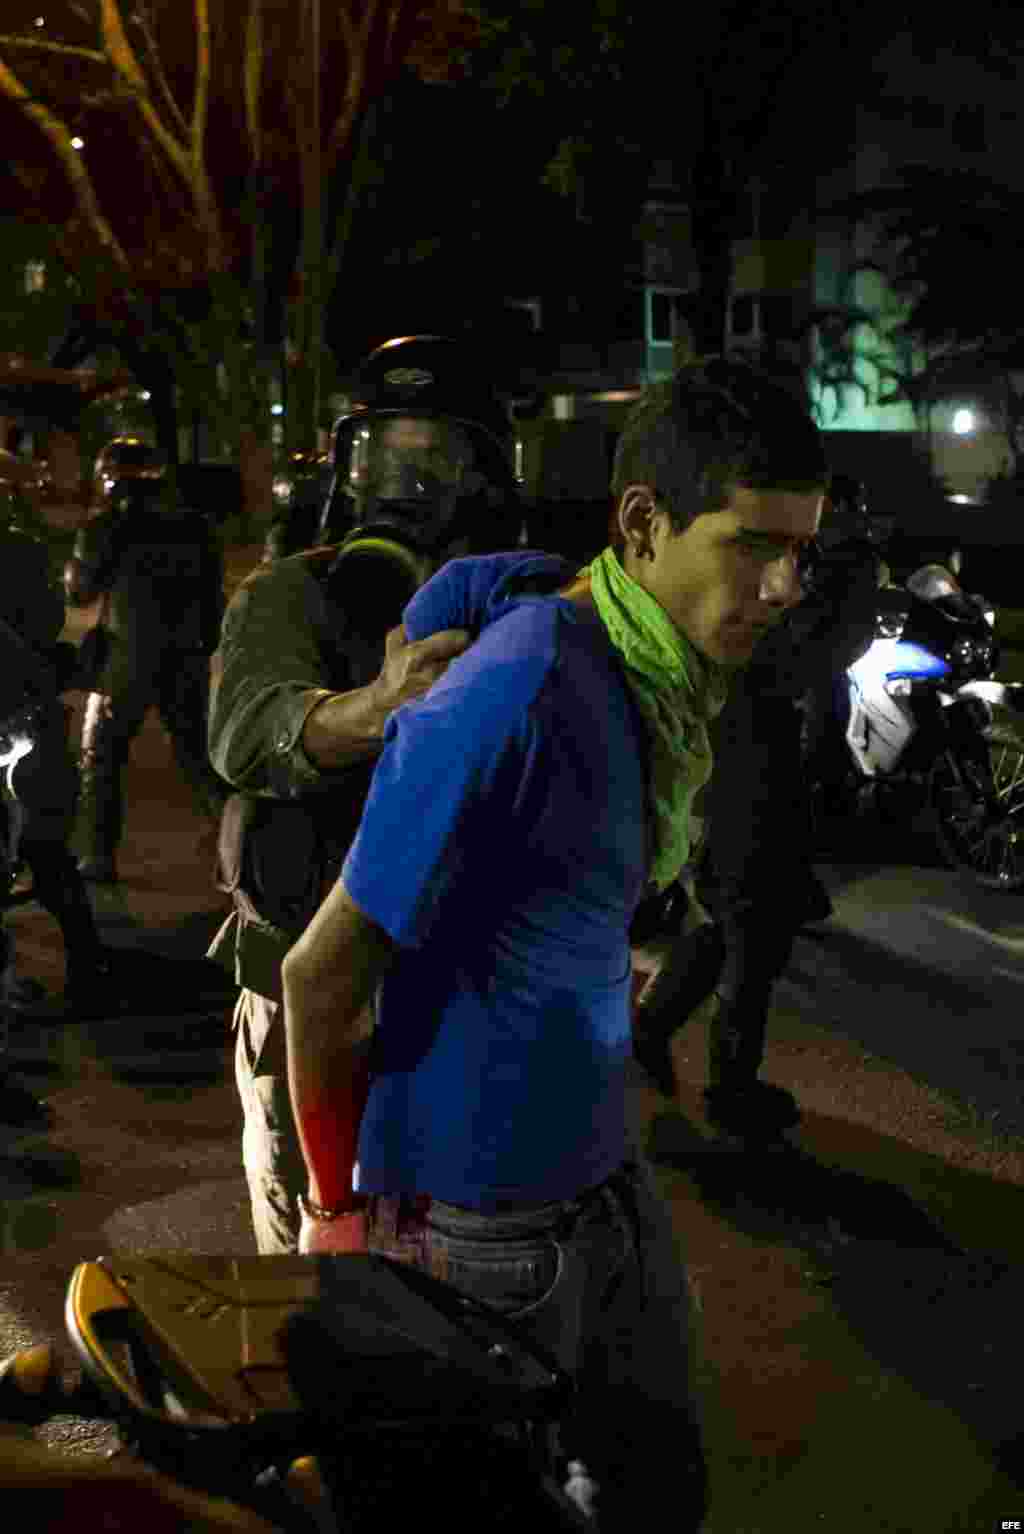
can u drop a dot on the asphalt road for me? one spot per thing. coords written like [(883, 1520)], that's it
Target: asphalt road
[(925, 970)]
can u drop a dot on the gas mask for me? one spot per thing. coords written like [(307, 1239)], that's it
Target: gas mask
[(402, 486)]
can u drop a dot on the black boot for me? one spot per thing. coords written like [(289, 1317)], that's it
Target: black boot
[(19, 1109), (98, 870), (815, 903), (735, 1100), (88, 990), (687, 978), (90, 987)]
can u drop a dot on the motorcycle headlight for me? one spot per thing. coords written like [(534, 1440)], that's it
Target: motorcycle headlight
[(282, 489), (965, 651)]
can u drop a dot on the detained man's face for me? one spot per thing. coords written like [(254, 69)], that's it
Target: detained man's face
[(732, 574)]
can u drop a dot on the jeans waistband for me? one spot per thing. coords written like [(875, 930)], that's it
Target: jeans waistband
[(513, 1219)]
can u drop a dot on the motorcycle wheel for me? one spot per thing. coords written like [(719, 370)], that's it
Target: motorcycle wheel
[(979, 825)]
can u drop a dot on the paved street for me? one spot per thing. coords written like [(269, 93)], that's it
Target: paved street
[(869, 1296), (954, 956)]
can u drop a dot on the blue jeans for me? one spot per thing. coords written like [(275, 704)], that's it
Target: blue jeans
[(599, 1282)]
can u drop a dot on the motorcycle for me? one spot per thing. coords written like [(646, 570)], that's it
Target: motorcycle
[(930, 728), (322, 1394)]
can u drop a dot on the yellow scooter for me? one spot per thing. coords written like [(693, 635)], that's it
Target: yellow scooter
[(316, 1394)]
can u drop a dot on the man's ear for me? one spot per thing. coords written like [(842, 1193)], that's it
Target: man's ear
[(633, 516)]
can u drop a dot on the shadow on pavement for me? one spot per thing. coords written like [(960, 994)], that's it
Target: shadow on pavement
[(960, 1034), (819, 1206), (170, 1022), (860, 837), (944, 1318)]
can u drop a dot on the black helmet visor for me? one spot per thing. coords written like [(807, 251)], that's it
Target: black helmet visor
[(408, 458)]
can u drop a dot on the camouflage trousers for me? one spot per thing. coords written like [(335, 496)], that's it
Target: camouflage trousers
[(271, 1153)]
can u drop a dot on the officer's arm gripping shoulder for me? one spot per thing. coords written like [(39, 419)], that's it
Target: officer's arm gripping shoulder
[(269, 676)]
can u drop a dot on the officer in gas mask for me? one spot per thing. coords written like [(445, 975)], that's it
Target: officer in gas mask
[(312, 661)]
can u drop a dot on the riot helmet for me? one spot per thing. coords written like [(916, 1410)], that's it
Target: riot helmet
[(422, 461), (127, 473)]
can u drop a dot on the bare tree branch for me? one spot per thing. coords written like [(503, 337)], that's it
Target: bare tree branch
[(72, 162), (346, 27), (44, 45), (254, 78), (357, 40), (201, 102), (156, 65), (206, 202), (121, 56)]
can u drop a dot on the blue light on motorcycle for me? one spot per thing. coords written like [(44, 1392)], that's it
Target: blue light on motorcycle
[(891, 660)]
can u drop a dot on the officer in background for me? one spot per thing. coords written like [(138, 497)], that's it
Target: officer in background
[(848, 534), (159, 570), (37, 794), (312, 660), (762, 888)]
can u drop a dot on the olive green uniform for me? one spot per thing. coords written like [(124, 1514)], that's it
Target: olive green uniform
[(284, 647)]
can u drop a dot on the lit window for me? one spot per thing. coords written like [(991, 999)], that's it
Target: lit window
[(35, 276)]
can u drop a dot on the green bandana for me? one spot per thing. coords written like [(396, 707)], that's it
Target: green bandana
[(677, 691)]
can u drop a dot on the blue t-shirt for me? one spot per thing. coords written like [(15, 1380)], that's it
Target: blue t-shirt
[(503, 848)]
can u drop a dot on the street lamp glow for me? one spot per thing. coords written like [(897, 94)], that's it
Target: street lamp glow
[(40, 21), (963, 422), (78, 143), (277, 410), (144, 394)]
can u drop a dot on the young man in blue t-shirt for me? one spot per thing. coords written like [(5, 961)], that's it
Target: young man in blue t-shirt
[(517, 814)]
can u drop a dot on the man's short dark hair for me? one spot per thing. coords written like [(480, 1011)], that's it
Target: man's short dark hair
[(718, 423)]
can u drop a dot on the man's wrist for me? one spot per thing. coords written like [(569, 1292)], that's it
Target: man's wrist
[(343, 728), (356, 1203)]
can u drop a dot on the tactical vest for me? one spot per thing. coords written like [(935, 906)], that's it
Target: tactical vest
[(279, 858)]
